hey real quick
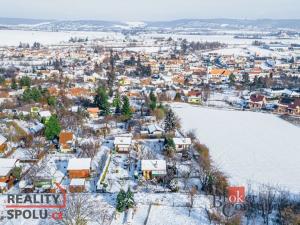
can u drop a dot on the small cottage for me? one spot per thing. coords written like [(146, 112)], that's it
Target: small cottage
[(79, 168), (153, 168), (182, 143)]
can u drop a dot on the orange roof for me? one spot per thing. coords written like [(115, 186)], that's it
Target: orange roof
[(256, 70), (93, 110), (219, 72), (53, 91), (4, 94), (178, 79), (77, 91), (145, 81), (133, 94), (64, 137), (194, 93)]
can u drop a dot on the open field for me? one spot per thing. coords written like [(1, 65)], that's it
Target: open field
[(248, 146)]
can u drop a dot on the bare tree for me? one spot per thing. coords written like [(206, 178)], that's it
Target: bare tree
[(192, 134), (37, 169), (89, 149), (192, 193), (266, 200), (186, 175), (34, 146), (79, 210)]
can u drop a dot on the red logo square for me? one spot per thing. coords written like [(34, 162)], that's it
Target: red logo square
[(236, 194)]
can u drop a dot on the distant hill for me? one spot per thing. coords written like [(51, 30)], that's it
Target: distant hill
[(194, 23), (18, 21), (182, 23)]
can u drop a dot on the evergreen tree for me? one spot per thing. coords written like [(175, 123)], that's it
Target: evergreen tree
[(33, 94), (53, 128), (125, 200), (231, 79), (121, 201), (129, 199), (25, 81), (184, 46), (36, 94), (126, 110), (2, 79), (153, 100), (170, 121), (111, 74), (169, 146), (101, 100), (177, 97), (246, 80), (117, 103), (111, 79), (51, 100), (14, 85)]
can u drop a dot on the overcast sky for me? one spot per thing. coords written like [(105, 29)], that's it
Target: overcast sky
[(133, 10)]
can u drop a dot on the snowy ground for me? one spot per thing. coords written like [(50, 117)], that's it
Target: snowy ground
[(14, 37), (227, 39), (248, 146), (162, 209)]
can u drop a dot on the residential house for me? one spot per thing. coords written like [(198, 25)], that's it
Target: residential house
[(66, 141), (6, 177), (182, 143), (294, 107), (78, 92), (79, 168), (257, 101), (153, 168), (77, 185), (288, 105), (93, 112), (3, 144), (45, 115), (194, 97), (283, 105), (219, 75), (122, 144), (154, 129)]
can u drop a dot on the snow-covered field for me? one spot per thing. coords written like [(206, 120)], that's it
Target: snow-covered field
[(227, 39), (14, 37), (248, 146)]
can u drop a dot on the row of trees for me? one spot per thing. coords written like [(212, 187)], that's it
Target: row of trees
[(23, 82), (196, 46), (122, 105)]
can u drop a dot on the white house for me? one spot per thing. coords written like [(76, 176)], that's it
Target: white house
[(123, 144), (153, 168), (45, 114), (154, 129), (182, 143)]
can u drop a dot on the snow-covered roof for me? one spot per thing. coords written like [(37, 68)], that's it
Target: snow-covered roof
[(122, 141), (154, 165), (79, 164), (45, 114), (77, 182), (153, 127), (3, 185), (2, 139), (182, 141), (6, 165)]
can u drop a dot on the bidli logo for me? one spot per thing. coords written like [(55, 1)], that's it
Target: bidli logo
[(236, 194), (233, 202)]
